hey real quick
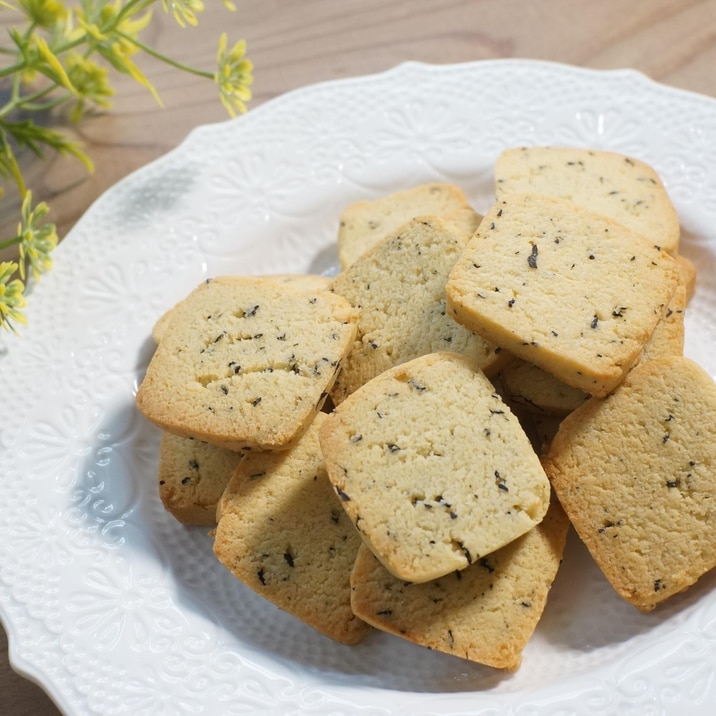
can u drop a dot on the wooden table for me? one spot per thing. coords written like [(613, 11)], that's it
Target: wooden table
[(296, 43)]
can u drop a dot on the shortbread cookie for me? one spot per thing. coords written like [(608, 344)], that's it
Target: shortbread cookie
[(282, 532), (485, 613), (399, 288), (308, 282), (689, 275), (432, 467), (247, 363), (535, 389), (621, 187), (669, 334), (365, 223), (192, 477), (562, 287), (635, 474)]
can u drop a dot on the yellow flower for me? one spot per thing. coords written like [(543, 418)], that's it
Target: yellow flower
[(91, 83), (44, 13), (115, 37), (37, 239), (11, 296), (184, 11), (234, 76)]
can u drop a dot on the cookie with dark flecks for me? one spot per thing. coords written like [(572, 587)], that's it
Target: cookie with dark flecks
[(635, 473), (564, 288), (247, 362), (621, 187), (282, 532), (432, 467), (367, 222), (485, 613), (192, 476)]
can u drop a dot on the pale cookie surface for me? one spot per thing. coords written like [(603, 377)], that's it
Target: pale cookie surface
[(309, 282), (636, 474), (432, 467), (192, 477), (365, 223), (399, 287), (282, 532), (621, 187), (247, 363), (561, 287), (485, 613), (535, 389)]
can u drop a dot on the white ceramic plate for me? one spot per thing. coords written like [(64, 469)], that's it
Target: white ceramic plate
[(111, 605)]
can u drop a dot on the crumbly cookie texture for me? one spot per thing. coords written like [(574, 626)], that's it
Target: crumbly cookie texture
[(282, 532), (247, 363), (399, 288), (626, 189), (535, 389), (309, 282), (689, 275), (432, 467), (192, 477), (485, 613), (635, 474), (365, 223), (562, 287)]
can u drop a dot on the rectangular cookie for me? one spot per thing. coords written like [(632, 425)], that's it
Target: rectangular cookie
[(282, 532), (246, 362), (485, 613), (563, 288), (621, 187), (432, 467)]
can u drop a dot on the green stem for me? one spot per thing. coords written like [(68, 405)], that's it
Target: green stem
[(10, 242), (163, 58)]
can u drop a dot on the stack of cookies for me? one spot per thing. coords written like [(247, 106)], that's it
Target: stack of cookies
[(404, 447)]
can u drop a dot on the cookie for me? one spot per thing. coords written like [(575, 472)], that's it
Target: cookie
[(668, 337), (365, 223), (192, 477), (621, 187), (535, 389), (309, 282), (485, 613), (282, 532), (563, 288), (399, 288), (689, 275), (247, 363), (635, 474), (432, 467)]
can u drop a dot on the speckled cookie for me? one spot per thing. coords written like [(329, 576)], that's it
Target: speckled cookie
[(365, 223), (635, 474), (399, 288), (432, 467), (689, 274), (192, 477), (667, 338), (535, 389), (308, 282), (624, 188), (247, 363), (563, 288), (282, 532), (485, 613)]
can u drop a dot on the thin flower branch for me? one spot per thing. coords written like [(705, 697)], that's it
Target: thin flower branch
[(61, 55)]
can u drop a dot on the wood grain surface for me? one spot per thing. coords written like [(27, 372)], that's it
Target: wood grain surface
[(296, 43)]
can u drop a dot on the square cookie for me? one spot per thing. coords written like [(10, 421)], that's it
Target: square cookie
[(563, 288), (432, 467)]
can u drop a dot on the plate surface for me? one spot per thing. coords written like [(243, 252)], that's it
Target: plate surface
[(111, 605)]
